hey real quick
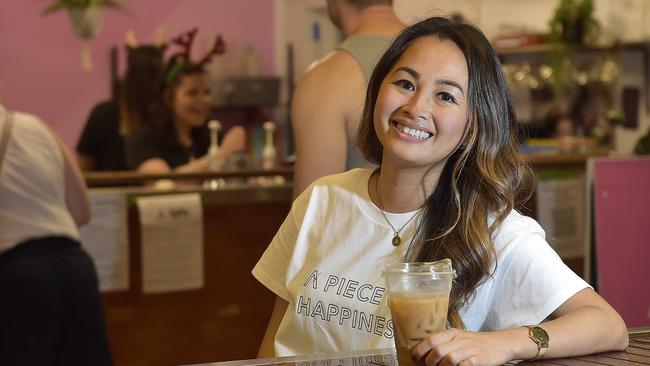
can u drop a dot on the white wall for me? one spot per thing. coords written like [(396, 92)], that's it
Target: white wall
[(294, 21)]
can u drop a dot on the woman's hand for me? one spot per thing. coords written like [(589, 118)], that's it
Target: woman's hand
[(458, 347)]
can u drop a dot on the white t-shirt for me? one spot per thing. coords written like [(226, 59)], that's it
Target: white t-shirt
[(32, 186), (327, 258)]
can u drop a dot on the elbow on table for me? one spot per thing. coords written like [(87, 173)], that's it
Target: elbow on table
[(619, 332), (624, 338)]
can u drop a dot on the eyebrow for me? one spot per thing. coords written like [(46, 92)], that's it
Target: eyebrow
[(416, 75)]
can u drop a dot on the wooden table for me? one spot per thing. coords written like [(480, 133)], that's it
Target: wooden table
[(638, 353)]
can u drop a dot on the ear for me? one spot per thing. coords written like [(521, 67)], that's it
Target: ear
[(131, 41)]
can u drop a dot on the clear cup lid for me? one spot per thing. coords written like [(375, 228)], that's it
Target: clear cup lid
[(441, 267)]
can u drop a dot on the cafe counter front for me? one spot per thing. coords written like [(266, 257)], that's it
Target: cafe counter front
[(164, 306)]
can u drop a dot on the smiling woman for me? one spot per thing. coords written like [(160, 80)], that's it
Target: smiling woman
[(439, 121), (179, 139)]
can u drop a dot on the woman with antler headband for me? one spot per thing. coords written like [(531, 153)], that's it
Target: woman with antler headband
[(179, 140)]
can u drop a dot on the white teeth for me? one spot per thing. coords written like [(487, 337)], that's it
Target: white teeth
[(418, 134)]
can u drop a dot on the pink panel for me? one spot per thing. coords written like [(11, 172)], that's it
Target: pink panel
[(622, 217), (40, 68)]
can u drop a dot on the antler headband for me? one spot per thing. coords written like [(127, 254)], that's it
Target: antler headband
[(182, 57)]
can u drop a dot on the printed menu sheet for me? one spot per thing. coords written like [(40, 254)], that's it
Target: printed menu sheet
[(561, 211), (105, 238), (172, 242)]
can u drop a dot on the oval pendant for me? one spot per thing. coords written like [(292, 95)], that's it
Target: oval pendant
[(396, 241)]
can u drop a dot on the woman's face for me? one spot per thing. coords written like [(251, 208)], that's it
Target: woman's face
[(421, 110), (192, 100)]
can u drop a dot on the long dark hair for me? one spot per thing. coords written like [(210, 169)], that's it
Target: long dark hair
[(139, 92), (479, 183)]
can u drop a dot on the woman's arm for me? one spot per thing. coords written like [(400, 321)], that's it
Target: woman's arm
[(233, 141), (266, 348), (142, 147), (584, 324)]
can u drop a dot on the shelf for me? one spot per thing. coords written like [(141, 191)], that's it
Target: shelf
[(542, 49), (99, 179), (547, 47), (559, 158)]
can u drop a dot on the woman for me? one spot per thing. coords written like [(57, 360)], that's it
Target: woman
[(439, 120), (179, 140), (50, 308)]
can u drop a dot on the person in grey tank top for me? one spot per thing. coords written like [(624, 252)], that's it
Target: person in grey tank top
[(327, 104), (366, 50)]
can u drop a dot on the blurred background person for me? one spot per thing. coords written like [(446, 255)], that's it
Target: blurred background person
[(179, 140), (326, 107), (50, 308), (101, 145)]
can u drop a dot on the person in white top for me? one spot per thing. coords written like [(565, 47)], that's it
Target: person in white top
[(440, 122), (50, 309)]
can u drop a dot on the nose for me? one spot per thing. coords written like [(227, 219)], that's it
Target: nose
[(419, 106)]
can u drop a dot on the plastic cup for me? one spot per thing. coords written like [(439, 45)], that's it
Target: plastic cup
[(418, 294)]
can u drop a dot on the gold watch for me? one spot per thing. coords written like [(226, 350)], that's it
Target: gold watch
[(540, 337)]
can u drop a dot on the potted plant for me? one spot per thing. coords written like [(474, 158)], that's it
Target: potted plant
[(573, 22)]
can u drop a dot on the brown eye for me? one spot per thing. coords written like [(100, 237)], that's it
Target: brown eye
[(446, 97), (405, 84)]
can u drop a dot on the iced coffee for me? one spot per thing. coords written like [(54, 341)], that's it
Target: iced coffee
[(419, 297)]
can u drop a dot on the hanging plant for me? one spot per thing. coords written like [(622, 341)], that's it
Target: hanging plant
[(78, 4), (86, 19), (85, 15)]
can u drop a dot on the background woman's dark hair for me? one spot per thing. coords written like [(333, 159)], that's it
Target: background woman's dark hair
[(139, 92), (479, 183)]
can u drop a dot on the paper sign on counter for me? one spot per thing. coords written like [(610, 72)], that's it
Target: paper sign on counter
[(172, 242), (105, 238)]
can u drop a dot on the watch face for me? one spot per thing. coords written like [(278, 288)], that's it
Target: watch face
[(540, 334)]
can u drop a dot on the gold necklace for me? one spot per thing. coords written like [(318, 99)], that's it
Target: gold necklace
[(397, 240)]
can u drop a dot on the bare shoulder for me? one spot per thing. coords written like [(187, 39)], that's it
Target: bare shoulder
[(334, 88), (337, 74)]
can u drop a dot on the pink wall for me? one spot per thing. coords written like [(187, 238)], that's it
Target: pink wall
[(40, 62)]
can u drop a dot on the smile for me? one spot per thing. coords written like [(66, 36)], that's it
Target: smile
[(415, 133)]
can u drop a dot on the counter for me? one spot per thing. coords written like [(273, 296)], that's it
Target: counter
[(227, 317)]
